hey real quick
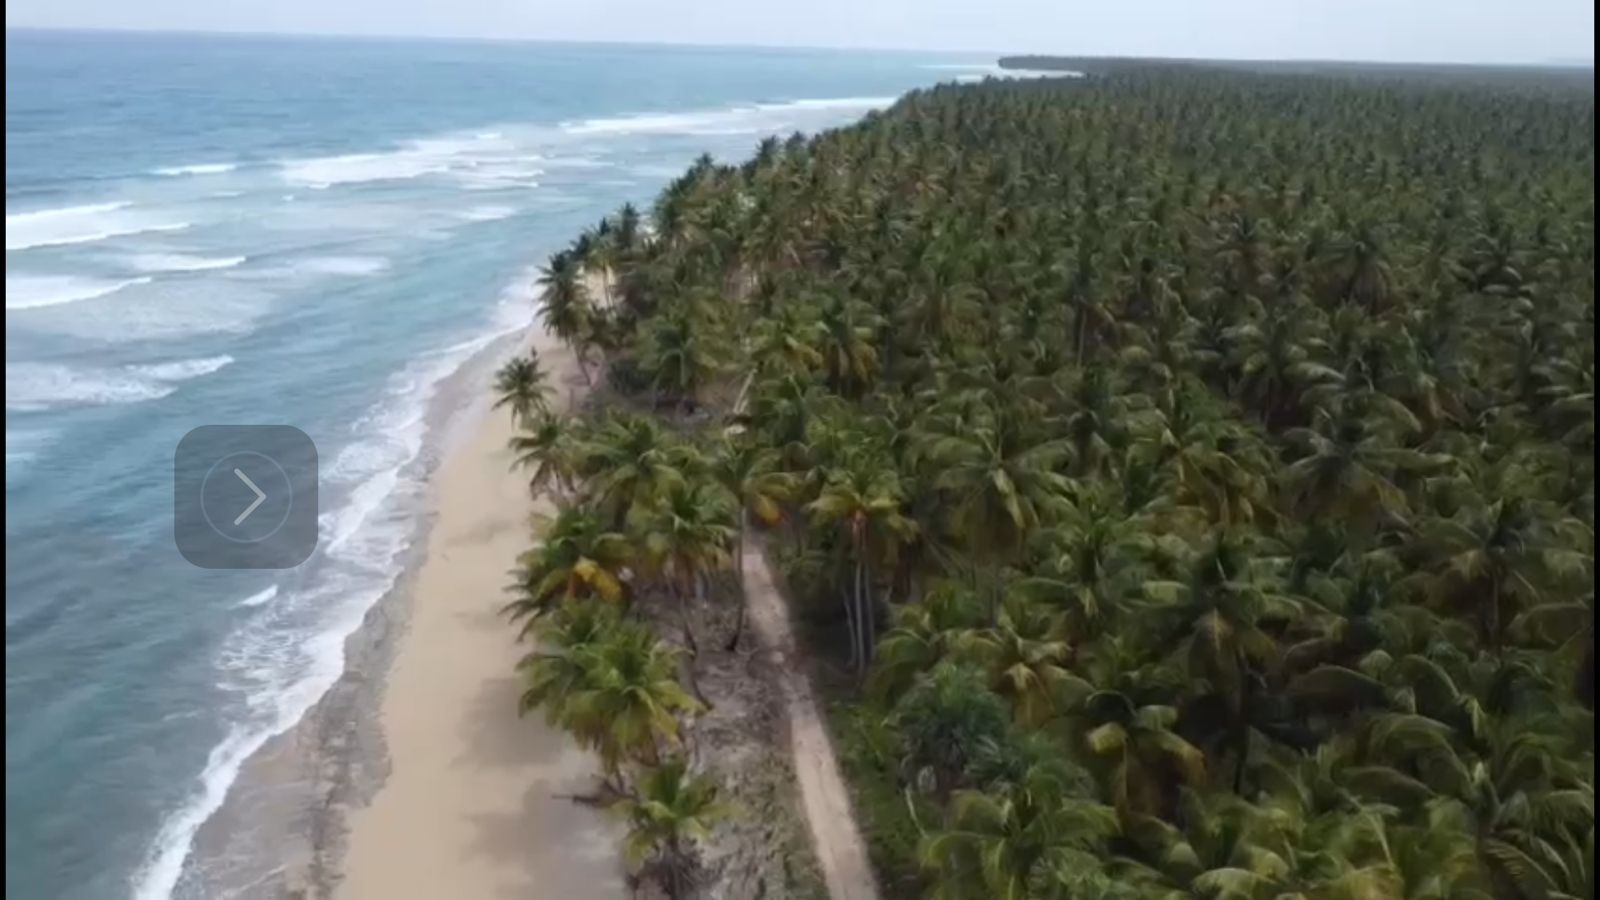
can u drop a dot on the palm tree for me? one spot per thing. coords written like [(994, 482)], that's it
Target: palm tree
[(1362, 273), (548, 449), (1146, 760), (1494, 560), (628, 462), (556, 672), (578, 560), (1217, 614), (848, 353), (1276, 363), (1003, 480), (686, 537), (630, 699), (1028, 656), (1215, 465), (520, 384), (752, 475), (669, 812), (864, 499), (679, 356), (1348, 465), (1091, 317), (999, 843), (564, 304), (926, 633), (1095, 559)]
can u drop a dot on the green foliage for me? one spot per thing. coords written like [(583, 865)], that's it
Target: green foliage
[(669, 812), (1215, 443)]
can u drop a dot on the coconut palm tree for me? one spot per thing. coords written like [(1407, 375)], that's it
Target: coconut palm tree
[(1028, 655), (668, 813), (752, 475), (629, 703), (687, 536), (628, 462), (1002, 477), (520, 384), (547, 447), (564, 304), (999, 843), (1145, 760), (939, 627), (848, 354), (578, 559), (679, 356), (863, 498), (1494, 560), (557, 671)]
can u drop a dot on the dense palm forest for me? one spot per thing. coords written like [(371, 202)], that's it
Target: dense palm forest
[(1188, 475)]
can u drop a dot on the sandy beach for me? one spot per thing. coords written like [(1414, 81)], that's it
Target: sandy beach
[(471, 807)]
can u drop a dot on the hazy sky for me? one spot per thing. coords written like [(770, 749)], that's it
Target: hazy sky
[(1423, 30)]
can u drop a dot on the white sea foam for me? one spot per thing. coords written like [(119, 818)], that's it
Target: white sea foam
[(847, 103), (79, 225), (64, 212), (259, 598), (181, 262), (754, 118), (36, 386), (498, 172), (343, 265), (356, 168), (980, 71), (181, 370), (577, 162), (285, 658), (482, 161), (486, 213), (197, 169), (36, 291)]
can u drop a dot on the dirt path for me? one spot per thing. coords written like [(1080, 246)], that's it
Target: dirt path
[(839, 847)]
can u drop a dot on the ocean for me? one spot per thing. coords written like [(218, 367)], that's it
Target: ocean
[(208, 229)]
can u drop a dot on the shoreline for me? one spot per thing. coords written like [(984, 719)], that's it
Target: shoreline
[(299, 803), (469, 806)]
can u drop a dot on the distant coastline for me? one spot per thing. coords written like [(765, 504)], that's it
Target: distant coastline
[(1580, 70)]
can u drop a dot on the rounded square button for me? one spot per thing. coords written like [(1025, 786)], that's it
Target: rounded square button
[(245, 497)]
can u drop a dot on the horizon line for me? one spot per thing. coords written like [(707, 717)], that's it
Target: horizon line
[(1551, 62)]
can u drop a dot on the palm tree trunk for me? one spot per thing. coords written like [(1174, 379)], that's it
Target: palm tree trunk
[(869, 615), (861, 619), (675, 866), (685, 614), (850, 623), (744, 391), (577, 352), (738, 562)]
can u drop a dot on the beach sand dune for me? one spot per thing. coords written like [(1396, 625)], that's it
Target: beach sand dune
[(474, 803)]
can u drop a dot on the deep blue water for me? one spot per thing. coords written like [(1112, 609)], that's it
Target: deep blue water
[(207, 229)]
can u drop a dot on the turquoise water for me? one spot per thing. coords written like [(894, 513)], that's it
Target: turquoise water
[(205, 229)]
